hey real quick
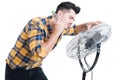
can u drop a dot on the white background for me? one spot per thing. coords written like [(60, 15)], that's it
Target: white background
[(14, 14)]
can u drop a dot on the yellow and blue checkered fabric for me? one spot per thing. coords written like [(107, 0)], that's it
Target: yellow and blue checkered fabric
[(27, 51)]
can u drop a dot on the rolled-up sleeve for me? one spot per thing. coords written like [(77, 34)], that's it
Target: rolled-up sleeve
[(36, 39), (71, 31)]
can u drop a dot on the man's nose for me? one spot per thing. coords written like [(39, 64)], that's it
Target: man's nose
[(71, 21)]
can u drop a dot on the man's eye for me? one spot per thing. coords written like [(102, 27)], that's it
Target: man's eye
[(72, 18)]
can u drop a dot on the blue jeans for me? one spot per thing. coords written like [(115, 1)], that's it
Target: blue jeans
[(22, 74)]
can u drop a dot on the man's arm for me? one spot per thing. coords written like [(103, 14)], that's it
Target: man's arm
[(86, 26), (78, 28), (50, 43)]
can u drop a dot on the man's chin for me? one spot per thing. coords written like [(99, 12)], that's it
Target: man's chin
[(67, 27)]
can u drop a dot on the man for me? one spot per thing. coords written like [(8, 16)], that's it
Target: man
[(38, 38)]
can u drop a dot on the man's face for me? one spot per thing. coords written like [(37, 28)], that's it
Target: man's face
[(68, 16)]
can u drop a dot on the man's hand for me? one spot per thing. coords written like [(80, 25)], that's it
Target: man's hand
[(60, 25), (89, 25)]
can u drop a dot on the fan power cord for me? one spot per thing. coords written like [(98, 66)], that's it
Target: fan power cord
[(93, 65)]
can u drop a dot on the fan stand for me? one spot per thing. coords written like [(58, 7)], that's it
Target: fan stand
[(93, 65)]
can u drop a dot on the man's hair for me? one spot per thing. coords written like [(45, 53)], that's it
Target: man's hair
[(68, 6)]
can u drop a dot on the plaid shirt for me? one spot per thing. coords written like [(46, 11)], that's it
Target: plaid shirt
[(28, 51)]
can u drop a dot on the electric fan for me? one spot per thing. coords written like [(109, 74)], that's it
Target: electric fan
[(86, 43)]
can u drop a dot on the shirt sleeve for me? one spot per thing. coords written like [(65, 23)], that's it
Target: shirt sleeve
[(71, 31), (36, 38)]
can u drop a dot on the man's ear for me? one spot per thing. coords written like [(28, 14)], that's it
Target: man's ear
[(60, 13)]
